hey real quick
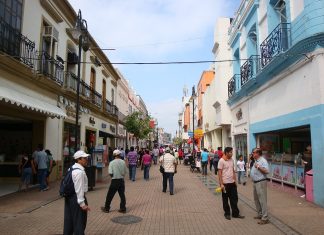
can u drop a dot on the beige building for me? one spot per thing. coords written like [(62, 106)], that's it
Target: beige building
[(38, 77)]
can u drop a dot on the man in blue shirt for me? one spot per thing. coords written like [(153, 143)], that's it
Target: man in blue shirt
[(259, 172), (204, 161)]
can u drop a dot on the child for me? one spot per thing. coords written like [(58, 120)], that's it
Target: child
[(240, 170)]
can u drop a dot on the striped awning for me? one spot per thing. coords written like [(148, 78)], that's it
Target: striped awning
[(23, 100)]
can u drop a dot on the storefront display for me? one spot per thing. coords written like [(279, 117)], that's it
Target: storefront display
[(284, 150), (69, 144)]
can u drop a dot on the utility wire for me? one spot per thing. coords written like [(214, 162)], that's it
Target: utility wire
[(256, 58)]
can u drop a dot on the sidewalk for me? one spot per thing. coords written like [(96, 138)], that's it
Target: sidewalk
[(194, 209)]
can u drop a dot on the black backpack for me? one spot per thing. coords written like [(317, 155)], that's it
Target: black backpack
[(67, 186)]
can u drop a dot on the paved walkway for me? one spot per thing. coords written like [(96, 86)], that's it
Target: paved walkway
[(194, 209)]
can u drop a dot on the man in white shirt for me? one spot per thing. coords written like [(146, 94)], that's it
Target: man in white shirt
[(76, 206), (168, 161)]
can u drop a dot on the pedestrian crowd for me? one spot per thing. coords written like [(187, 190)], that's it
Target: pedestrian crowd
[(76, 206)]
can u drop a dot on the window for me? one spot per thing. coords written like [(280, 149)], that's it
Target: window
[(11, 13)]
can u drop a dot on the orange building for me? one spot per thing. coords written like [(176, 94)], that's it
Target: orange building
[(206, 78)]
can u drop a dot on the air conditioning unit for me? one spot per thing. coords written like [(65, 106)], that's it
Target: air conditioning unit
[(50, 32), (72, 58)]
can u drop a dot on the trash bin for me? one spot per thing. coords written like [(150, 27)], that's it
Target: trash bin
[(309, 186)]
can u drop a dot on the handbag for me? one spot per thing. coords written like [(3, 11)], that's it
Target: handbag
[(161, 166)]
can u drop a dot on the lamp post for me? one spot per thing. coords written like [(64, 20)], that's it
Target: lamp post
[(193, 96), (79, 32)]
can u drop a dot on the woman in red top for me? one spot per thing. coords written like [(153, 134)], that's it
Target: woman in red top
[(146, 162), (180, 153)]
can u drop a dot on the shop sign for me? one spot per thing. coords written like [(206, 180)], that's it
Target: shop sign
[(92, 120)]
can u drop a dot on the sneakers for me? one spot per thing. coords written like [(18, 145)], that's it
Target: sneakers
[(104, 209), (261, 222)]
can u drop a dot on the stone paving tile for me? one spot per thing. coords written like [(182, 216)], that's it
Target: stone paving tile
[(194, 209)]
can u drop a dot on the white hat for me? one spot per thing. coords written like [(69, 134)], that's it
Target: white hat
[(79, 154), (167, 149), (116, 152)]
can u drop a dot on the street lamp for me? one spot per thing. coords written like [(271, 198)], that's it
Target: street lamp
[(79, 32), (193, 96)]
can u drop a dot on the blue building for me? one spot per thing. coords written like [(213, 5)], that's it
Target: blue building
[(276, 90)]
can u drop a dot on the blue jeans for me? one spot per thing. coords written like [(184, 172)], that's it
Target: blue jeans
[(240, 175), (146, 172), (204, 167), (42, 178), (132, 172), (166, 176)]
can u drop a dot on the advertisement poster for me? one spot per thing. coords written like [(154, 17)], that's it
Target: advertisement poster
[(300, 177), (276, 171), (288, 174)]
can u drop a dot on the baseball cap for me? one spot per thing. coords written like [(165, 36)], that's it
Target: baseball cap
[(116, 152), (80, 154)]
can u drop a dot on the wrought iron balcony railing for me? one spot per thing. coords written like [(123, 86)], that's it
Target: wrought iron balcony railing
[(93, 96), (110, 108), (71, 81), (249, 69), (232, 87), (13, 43), (50, 67), (277, 42)]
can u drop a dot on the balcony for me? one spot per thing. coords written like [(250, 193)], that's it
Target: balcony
[(51, 67), (249, 69), (111, 109), (71, 81), (13, 43), (93, 96), (232, 87), (278, 41)]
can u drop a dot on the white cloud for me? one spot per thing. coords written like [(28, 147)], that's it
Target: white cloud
[(153, 31), (166, 112)]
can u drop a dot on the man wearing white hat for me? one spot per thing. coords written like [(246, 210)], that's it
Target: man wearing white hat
[(117, 171), (76, 206)]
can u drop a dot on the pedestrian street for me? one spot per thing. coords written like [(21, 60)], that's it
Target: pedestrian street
[(195, 208)]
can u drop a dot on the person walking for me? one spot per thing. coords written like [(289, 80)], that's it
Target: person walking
[(147, 163), (131, 161), (76, 206), (49, 165), (215, 162), (204, 161), (259, 172), (240, 166), (26, 169), (41, 160), (227, 180), (169, 163), (155, 153), (117, 171), (180, 152), (211, 159)]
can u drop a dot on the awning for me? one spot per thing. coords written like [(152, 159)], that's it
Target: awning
[(26, 101)]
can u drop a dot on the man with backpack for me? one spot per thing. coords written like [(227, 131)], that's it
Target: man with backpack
[(76, 206)]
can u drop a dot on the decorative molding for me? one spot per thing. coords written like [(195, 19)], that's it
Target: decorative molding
[(51, 10)]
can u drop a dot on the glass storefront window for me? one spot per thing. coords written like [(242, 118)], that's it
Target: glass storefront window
[(69, 144)]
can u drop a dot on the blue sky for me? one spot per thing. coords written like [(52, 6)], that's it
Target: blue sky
[(157, 31)]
